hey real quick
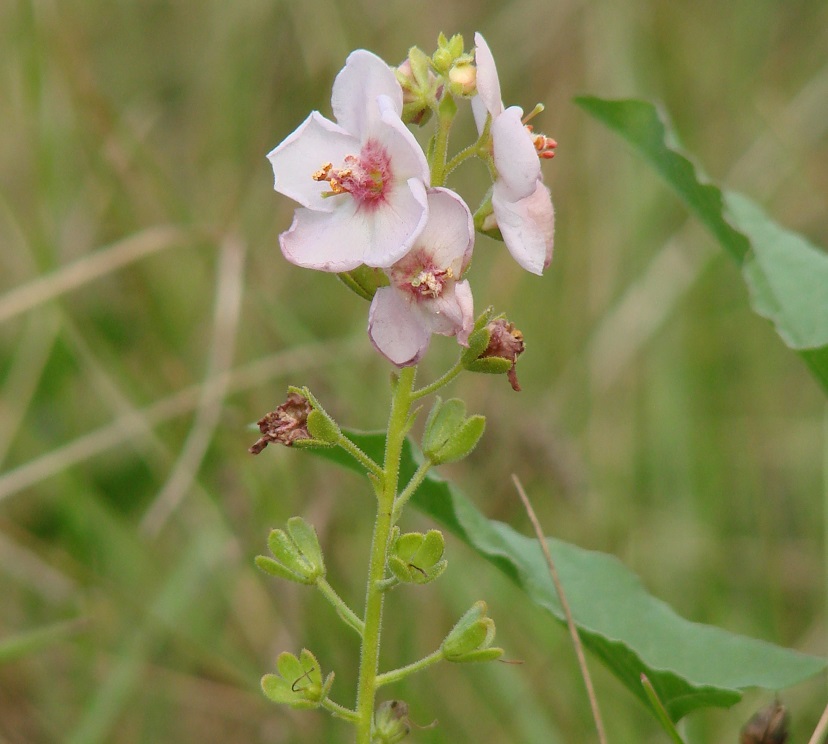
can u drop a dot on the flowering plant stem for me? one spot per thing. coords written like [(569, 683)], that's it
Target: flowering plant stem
[(398, 425)]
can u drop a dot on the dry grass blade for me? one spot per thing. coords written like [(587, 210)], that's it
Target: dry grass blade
[(229, 290), (96, 265), (570, 622)]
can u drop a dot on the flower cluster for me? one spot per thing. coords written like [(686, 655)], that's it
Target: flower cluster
[(369, 196)]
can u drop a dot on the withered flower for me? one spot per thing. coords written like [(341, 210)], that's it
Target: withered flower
[(505, 342), (287, 424)]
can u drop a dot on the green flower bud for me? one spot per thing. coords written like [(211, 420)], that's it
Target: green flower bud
[(450, 436), (299, 681), (391, 722), (297, 553), (471, 638), (416, 558)]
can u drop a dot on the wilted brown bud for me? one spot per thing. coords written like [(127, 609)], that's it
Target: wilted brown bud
[(285, 425), (767, 726), (506, 342)]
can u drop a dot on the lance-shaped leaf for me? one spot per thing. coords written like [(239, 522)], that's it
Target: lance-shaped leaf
[(690, 665), (787, 276)]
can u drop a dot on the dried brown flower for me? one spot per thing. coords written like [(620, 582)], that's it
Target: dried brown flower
[(285, 425)]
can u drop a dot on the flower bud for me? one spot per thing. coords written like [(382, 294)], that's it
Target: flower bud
[(391, 722), (416, 558), (471, 638), (463, 80), (297, 553), (299, 682), (420, 87), (449, 436)]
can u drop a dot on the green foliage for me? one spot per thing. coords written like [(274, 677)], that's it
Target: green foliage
[(689, 665), (786, 275)]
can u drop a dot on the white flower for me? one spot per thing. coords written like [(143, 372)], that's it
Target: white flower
[(522, 204), (360, 181), (426, 294)]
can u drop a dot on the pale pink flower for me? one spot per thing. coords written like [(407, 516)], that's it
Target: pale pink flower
[(522, 204), (426, 294), (360, 181)]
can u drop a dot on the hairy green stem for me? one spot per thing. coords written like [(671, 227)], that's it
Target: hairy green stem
[(374, 595), (437, 165), (342, 609), (439, 382)]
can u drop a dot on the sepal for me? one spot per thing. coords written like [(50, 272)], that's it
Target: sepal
[(364, 281), (417, 558), (449, 436), (471, 638), (297, 553), (299, 682)]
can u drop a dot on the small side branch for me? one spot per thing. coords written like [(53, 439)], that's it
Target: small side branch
[(570, 621), (342, 609), (395, 675)]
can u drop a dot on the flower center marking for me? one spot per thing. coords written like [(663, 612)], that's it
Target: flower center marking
[(366, 177)]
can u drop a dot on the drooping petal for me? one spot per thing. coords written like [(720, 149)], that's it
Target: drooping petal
[(451, 314), (395, 328), (327, 241), (394, 226), (449, 232), (516, 158), (313, 143), (364, 78), (488, 82), (527, 225)]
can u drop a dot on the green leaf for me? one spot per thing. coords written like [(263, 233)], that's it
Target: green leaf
[(786, 275), (631, 632)]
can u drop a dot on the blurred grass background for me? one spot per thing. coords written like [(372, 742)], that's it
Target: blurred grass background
[(147, 317)]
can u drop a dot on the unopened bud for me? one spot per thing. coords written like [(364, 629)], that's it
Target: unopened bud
[(463, 80), (471, 638)]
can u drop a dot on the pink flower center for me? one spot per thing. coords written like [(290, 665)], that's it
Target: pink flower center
[(417, 274), (366, 177)]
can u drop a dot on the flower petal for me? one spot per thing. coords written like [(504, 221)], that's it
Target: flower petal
[(488, 83), (364, 78), (407, 157), (313, 143), (449, 233), (516, 159), (451, 314), (393, 227), (327, 241), (395, 328), (527, 226)]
